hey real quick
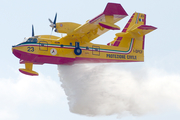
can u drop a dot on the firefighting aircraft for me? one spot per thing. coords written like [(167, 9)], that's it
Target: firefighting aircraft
[(76, 47)]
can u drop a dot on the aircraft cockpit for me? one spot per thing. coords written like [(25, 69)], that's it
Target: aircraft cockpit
[(30, 40)]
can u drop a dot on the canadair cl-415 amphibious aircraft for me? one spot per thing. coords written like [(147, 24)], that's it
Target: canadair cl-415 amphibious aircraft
[(76, 47)]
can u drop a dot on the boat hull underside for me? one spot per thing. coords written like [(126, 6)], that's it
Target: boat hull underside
[(41, 59)]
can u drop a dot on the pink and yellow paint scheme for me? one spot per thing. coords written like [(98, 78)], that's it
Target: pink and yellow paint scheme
[(76, 47)]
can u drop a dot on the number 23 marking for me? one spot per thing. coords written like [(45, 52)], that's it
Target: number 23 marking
[(30, 49)]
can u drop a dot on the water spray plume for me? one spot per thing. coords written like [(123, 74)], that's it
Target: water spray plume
[(105, 90)]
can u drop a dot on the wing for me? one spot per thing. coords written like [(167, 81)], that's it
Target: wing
[(99, 25)]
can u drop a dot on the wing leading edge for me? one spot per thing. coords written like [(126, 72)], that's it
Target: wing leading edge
[(99, 25)]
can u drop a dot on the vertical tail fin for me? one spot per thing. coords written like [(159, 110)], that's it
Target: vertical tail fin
[(136, 19), (136, 28), (131, 39)]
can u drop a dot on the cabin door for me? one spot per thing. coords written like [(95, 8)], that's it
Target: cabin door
[(43, 45), (95, 50)]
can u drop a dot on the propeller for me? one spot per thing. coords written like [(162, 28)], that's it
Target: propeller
[(53, 24), (32, 31)]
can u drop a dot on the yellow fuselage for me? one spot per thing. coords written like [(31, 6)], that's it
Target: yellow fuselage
[(55, 50)]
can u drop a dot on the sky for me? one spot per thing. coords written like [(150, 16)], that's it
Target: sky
[(43, 97)]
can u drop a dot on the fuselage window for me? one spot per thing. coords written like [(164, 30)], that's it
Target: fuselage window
[(70, 44), (87, 48), (61, 45)]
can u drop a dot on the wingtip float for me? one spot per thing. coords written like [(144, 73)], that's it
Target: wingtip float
[(75, 47)]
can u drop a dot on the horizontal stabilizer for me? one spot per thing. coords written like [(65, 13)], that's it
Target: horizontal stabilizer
[(109, 26), (147, 27), (137, 32), (142, 30)]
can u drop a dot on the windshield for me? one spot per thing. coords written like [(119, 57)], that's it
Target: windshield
[(34, 40)]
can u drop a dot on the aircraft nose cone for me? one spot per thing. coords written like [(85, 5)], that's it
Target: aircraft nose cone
[(16, 52), (13, 46)]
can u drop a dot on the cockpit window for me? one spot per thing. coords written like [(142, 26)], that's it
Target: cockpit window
[(34, 40)]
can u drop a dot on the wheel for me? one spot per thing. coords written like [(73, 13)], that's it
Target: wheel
[(77, 51)]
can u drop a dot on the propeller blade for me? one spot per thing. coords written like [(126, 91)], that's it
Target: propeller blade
[(55, 19), (50, 20), (32, 31), (53, 24)]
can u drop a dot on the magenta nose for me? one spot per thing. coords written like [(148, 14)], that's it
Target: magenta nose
[(16, 52)]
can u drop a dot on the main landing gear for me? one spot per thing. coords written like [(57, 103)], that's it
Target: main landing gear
[(77, 49)]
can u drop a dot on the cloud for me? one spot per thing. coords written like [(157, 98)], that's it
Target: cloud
[(7, 115), (106, 90), (27, 91)]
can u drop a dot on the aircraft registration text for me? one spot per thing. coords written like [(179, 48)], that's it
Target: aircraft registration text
[(121, 56)]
